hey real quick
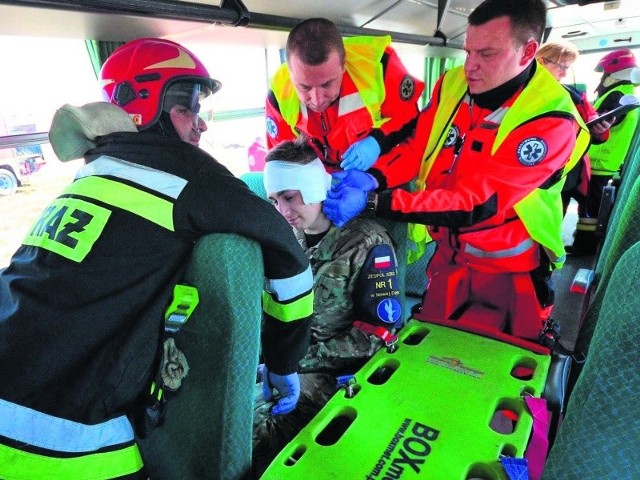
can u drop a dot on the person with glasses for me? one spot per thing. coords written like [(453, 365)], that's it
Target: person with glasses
[(558, 57), (493, 153)]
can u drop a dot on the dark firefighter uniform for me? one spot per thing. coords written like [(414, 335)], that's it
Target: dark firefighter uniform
[(378, 97), (82, 301), (491, 177)]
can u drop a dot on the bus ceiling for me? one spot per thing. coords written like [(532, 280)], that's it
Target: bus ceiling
[(145, 17), (591, 24)]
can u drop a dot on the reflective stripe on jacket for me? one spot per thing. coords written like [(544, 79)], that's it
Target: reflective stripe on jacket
[(44, 447)]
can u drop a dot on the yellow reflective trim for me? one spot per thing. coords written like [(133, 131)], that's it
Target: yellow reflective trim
[(288, 312), (16, 464), (131, 199), (69, 227), (586, 227)]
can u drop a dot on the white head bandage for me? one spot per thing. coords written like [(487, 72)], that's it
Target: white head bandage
[(311, 179)]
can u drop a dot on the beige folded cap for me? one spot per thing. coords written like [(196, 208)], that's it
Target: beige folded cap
[(74, 129)]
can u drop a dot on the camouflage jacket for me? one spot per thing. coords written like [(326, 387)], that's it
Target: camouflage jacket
[(340, 284)]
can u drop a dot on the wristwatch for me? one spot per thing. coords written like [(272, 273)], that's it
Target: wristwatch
[(372, 201)]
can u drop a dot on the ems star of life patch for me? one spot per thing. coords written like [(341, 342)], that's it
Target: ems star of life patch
[(272, 128), (452, 136), (407, 87), (532, 151)]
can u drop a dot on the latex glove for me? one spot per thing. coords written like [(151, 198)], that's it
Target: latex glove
[(355, 179), (288, 386), (361, 155), (342, 205)]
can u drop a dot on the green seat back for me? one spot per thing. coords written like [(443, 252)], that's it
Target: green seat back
[(630, 173), (625, 234), (255, 183), (208, 429), (417, 272), (600, 433)]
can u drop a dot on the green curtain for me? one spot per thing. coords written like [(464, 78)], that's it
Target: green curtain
[(99, 51), (433, 68)]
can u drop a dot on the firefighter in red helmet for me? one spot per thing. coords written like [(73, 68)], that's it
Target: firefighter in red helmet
[(620, 76), (83, 301)]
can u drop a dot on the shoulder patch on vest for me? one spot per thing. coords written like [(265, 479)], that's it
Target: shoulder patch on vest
[(272, 127), (532, 151), (452, 136), (407, 87), (377, 293)]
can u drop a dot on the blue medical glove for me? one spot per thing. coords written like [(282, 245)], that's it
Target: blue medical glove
[(288, 386), (344, 204), (354, 179), (361, 155)]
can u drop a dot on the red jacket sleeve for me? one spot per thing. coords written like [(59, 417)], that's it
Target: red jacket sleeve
[(587, 112), (499, 182), (402, 164), (400, 106)]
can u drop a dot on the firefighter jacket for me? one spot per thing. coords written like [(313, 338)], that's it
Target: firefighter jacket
[(82, 302), (490, 180), (378, 97), (606, 158)]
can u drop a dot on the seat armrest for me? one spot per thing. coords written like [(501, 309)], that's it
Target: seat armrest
[(582, 281)]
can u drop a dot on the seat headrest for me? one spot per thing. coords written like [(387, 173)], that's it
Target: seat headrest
[(74, 129)]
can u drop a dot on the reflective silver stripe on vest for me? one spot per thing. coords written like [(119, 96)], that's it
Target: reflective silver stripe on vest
[(350, 103), (509, 252), (24, 424), (157, 180), (288, 288)]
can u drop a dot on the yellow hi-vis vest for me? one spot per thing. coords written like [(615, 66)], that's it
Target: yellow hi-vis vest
[(362, 62), (540, 211), (607, 157)]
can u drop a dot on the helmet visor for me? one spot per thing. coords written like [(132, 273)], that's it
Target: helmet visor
[(190, 95)]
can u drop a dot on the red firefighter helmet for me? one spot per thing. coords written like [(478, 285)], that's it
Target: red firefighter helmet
[(137, 76), (616, 61)]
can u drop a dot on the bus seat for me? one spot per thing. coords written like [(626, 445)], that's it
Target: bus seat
[(208, 428), (625, 234), (417, 272), (255, 183), (631, 171), (599, 436)]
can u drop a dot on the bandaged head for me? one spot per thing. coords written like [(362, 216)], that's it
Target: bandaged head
[(311, 179)]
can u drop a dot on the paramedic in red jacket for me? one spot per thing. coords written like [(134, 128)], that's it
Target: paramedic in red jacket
[(353, 97), (493, 152)]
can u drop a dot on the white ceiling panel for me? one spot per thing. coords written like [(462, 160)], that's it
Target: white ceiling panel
[(600, 25)]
